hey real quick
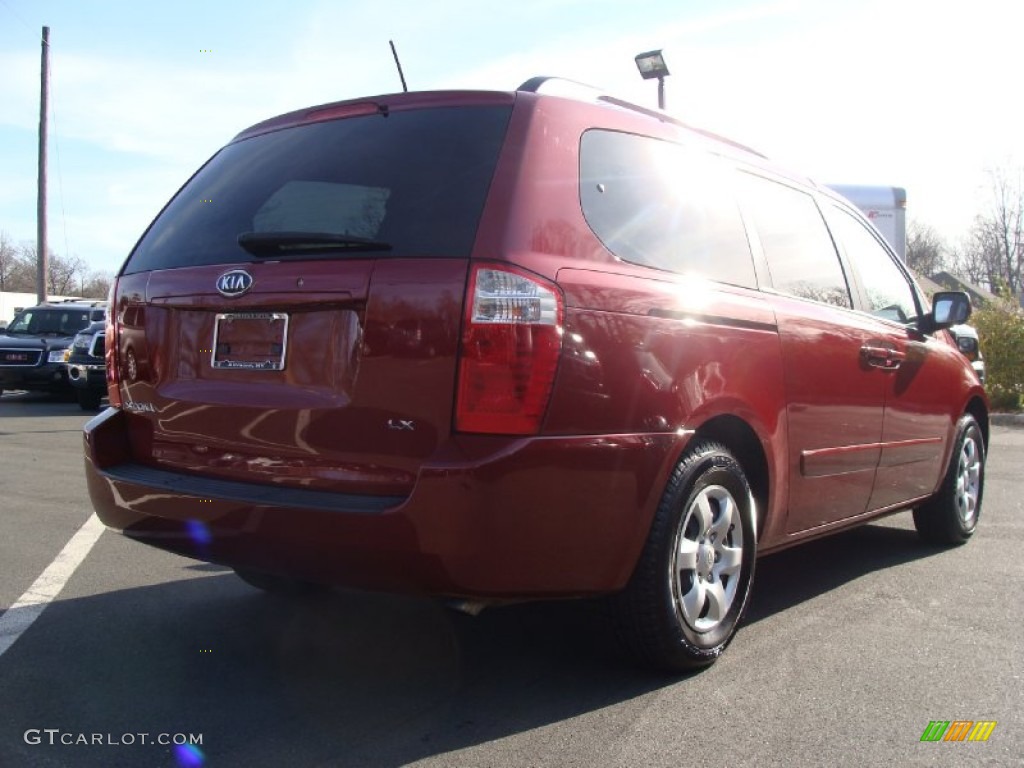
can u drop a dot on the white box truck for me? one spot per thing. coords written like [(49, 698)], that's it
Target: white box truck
[(885, 207)]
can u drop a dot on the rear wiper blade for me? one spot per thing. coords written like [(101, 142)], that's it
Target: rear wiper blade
[(285, 243)]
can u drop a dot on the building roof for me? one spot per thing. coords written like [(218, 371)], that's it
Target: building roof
[(951, 282)]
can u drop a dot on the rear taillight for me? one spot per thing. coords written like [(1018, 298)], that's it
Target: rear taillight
[(511, 342), (110, 353)]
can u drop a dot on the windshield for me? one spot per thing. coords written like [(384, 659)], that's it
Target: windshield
[(409, 183), (63, 322)]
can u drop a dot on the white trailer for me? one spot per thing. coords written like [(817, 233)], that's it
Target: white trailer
[(885, 207)]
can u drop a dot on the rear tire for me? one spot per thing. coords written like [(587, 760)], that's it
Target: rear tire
[(950, 517), (271, 582), (89, 399), (691, 584)]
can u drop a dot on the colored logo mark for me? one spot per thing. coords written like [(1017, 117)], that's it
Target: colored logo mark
[(958, 730)]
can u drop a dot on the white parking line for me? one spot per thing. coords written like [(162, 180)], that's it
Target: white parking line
[(30, 605)]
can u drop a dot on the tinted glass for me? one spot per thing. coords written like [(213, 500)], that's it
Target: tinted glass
[(800, 253), (415, 179), (661, 205), (66, 322), (888, 293)]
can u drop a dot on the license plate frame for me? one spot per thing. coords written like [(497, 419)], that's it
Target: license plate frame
[(249, 341)]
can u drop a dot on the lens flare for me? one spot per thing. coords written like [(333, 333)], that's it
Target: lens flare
[(199, 532), (189, 755)]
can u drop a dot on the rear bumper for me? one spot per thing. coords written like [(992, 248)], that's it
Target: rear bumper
[(494, 517)]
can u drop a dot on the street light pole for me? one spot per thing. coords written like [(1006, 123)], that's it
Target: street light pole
[(652, 65), (41, 245)]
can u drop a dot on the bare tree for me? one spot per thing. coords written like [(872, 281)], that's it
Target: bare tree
[(926, 250), (63, 272), (17, 273), (95, 286), (8, 261), (993, 251)]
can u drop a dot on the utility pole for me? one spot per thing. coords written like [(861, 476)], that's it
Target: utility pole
[(44, 103)]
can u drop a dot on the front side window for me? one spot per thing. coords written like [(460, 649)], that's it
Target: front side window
[(659, 204), (888, 293), (801, 257)]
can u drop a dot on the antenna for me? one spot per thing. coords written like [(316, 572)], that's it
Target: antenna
[(398, 64)]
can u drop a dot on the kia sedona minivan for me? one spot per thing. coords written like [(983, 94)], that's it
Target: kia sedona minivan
[(496, 346)]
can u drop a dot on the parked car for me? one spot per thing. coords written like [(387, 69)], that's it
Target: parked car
[(86, 365), (34, 347), (517, 345), (966, 337)]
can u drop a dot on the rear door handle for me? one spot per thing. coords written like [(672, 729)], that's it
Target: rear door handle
[(886, 358)]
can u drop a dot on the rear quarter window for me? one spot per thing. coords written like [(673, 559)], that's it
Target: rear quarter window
[(415, 179), (663, 205)]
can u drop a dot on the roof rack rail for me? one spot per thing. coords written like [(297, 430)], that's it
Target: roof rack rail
[(661, 115), (560, 86), (87, 302)]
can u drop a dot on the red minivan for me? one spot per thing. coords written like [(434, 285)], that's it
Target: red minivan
[(494, 346)]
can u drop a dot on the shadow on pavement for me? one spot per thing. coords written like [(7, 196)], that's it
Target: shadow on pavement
[(796, 575), (343, 678), (14, 404)]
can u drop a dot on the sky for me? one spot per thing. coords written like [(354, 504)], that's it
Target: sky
[(912, 93)]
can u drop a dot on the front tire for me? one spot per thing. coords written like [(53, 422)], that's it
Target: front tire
[(950, 517), (690, 588)]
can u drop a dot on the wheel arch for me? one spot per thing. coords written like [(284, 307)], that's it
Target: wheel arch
[(743, 441), (979, 410)]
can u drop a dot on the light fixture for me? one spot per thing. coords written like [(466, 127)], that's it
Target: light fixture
[(651, 65)]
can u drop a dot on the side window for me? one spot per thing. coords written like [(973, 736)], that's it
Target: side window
[(888, 293), (72, 322), (658, 204), (801, 256)]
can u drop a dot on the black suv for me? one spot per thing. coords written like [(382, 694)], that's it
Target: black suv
[(86, 366), (35, 347)]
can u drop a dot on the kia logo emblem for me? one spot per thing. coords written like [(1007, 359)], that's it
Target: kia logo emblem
[(234, 283)]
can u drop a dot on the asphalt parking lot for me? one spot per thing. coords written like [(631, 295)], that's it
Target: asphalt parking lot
[(851, 647)]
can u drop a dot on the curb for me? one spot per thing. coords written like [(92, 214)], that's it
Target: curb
[(1006, 419)]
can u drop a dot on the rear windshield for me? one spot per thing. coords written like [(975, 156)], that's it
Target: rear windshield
[(413, 180)]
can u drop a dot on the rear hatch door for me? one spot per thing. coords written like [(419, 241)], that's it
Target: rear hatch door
[(292, 317)]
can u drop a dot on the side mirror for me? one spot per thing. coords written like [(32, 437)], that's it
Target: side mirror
[(949, 308)]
